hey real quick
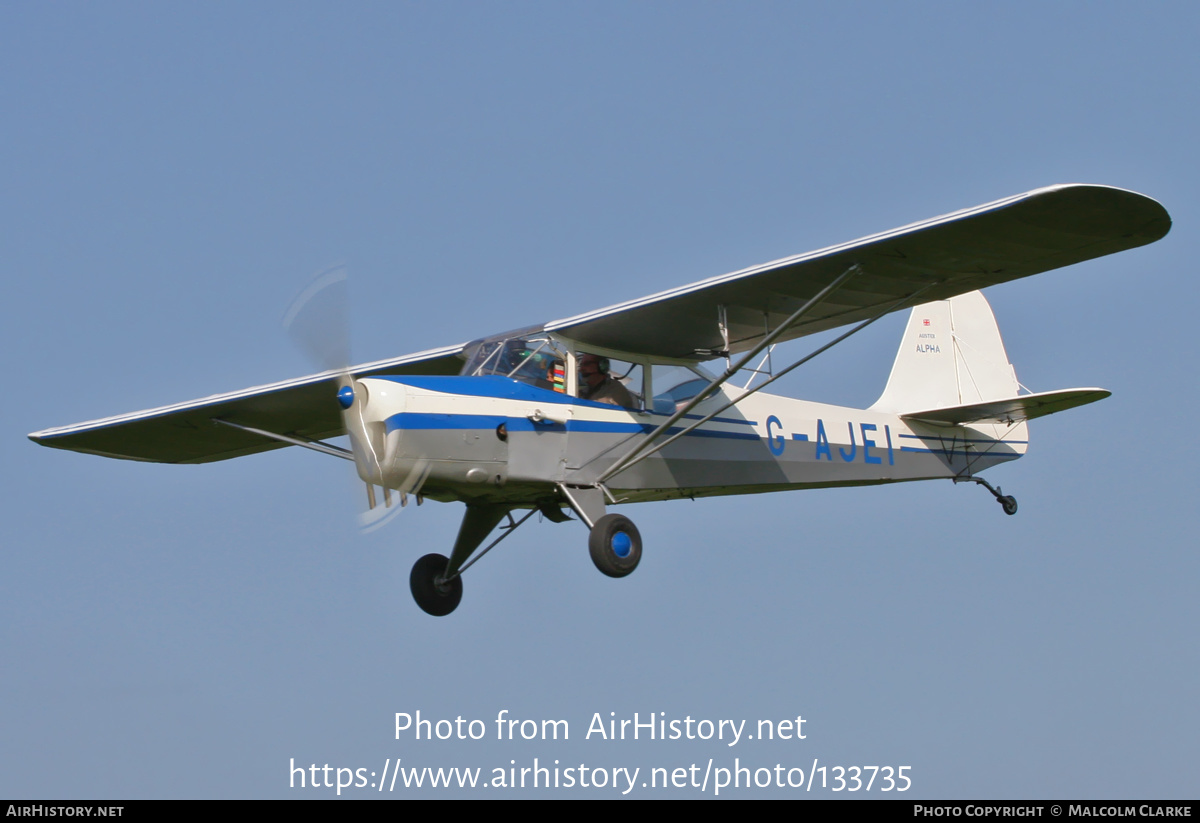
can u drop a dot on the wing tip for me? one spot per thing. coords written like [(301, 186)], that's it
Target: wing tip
[(1149, 219)]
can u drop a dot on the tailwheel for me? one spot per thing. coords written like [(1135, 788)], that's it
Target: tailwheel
[(433, 593), (1006, 501), (615, 545)]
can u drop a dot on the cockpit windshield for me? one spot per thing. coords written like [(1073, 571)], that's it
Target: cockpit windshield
[(536, 360)]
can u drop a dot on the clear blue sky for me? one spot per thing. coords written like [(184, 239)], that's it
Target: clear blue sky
[(174, 173)]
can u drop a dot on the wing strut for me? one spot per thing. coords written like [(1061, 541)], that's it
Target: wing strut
[(641, 452), (633, 455), (315, 445), (506, 529)]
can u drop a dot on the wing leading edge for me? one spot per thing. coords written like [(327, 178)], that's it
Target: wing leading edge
[(959, 252)]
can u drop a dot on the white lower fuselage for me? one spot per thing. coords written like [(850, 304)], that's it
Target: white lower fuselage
[(492, 439)]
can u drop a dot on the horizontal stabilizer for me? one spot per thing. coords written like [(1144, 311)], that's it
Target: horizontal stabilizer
[(1010, 410)]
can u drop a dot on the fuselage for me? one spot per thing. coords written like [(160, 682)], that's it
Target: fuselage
[(495, 439)]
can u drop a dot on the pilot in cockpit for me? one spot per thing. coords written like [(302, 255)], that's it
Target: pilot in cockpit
[(599, 386)]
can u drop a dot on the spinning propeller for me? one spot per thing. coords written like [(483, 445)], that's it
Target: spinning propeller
[(318, 323)]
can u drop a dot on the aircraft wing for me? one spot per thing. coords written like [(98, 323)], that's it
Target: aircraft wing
[(1022, 235), (185, 432)]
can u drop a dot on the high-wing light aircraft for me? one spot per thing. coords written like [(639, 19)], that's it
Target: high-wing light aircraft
[(613, 406)]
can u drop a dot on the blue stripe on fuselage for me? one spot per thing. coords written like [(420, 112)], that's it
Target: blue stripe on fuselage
[(418, 420), (952, 439)]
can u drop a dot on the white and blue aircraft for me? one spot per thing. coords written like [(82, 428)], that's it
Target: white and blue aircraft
[(614, 406)]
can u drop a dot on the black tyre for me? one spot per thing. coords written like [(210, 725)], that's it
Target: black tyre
[(1009, 503), (615, 545), (433, 598)]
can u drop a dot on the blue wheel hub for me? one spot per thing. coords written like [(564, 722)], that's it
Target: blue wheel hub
[(621, 544)]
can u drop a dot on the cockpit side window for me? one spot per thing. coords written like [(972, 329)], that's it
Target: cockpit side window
[(607, 380), (675, 385)]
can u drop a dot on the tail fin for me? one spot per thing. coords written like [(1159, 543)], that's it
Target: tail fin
[(952, 370), (951, 355)]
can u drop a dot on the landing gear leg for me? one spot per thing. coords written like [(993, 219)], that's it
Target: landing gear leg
[(613, 540), (1006, 501), (436, 581)]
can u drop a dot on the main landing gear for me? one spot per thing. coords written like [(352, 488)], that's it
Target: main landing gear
[(436, 580), (434, 593), (613, 540), (1006, 501), (613, 543)]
